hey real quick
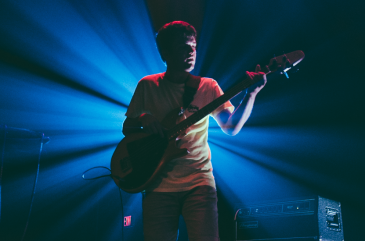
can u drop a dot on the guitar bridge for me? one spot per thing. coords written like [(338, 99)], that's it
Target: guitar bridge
[(126, 166)]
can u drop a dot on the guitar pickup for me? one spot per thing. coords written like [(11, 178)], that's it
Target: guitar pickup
[(126, 167)]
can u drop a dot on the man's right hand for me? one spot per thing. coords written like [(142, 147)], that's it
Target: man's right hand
[(151, 125)]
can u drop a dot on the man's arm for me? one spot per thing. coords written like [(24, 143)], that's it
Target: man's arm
[(131, 125), (231, 123), (145, 122)]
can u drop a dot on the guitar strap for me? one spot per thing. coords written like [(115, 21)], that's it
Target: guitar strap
[(191, 86)]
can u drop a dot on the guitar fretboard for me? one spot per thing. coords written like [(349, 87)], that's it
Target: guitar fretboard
[(209, 108)]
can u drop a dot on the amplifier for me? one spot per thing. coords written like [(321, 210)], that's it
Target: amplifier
[(304, 219)]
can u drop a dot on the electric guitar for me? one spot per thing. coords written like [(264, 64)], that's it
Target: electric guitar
[(139, 157)]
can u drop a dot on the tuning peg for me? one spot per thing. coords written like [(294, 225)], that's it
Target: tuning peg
[(288, 65), (274, 64), (281, 70)]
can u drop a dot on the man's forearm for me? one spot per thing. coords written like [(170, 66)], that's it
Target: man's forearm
[(233, 123)]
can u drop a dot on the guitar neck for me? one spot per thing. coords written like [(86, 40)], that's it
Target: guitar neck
[(209, 108), (280, 63)]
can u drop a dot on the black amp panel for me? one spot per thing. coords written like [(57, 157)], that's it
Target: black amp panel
[(305, 219)]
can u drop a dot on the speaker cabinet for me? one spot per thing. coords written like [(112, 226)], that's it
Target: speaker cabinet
[(305, 219)]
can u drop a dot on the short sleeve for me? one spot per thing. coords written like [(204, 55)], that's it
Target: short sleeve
[(217, 92), (136, 106)]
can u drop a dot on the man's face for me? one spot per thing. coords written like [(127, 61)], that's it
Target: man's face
[(182, 55)]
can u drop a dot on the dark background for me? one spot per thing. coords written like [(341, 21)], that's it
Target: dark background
[(68, 69)]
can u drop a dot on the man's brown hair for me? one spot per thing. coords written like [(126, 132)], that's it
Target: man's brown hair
[(167, 34)]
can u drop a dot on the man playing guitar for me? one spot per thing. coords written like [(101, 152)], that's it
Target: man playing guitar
[(186, 184)]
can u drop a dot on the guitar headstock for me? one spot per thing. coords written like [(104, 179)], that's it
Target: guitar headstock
[(284, 62)]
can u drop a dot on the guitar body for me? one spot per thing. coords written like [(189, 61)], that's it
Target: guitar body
[(140, 157)]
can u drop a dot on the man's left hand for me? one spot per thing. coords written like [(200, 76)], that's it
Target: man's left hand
[(260, 79)]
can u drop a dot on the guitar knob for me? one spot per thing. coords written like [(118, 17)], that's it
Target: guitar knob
[(287, 62)]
